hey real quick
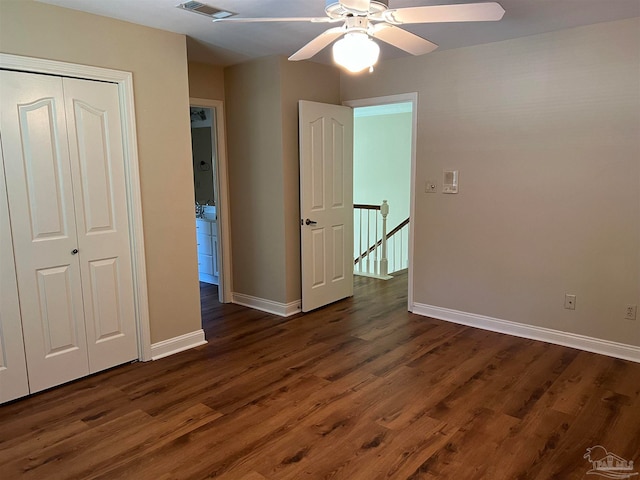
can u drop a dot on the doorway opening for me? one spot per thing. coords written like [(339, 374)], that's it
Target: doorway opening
[(204, 152), (383, 191), (211, 198)]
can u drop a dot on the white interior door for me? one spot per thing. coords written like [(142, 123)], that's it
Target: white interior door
[(326, 203), (97, 169), (40, 193), (13, 366)]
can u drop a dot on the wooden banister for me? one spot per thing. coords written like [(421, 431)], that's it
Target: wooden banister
[(363, 206), (402, 224)]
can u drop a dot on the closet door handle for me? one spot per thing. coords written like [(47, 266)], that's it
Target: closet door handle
[(74, 251)]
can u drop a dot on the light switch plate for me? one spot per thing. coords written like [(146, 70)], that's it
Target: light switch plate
[(430, 186)]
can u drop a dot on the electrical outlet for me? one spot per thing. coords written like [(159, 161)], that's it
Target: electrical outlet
[(570, 302), (630, 312)]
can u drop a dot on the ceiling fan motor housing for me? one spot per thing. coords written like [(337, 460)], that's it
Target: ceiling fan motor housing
[(344, 8)]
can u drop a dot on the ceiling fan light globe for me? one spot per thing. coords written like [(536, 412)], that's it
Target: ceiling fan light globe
[(356, 52)]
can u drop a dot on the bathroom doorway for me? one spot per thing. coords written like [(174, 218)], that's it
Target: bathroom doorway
[(211, 195)]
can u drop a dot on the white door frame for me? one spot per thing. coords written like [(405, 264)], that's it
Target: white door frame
[(124, 80), (401, 98), (221, 195)]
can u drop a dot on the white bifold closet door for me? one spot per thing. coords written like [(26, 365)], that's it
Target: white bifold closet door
[(13, 367), (65, 182)]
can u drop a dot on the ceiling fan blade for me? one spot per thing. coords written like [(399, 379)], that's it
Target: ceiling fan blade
[(360, 6), (402, 39), (277, 19), (468, 12), (318, 43)]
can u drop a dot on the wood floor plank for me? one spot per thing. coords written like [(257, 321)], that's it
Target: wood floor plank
[(49, 410), (83, 452), (252, 476), (530, 442), (21, 446), (578, 382), (358, 390), (169, 429), (535, 377), (465, 453)]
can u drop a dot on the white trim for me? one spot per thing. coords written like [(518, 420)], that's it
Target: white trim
[(54, 67), (221, 198), (567, 339), (177, 344), (269, 306), (134, 203), (402, 98), (372, 275)]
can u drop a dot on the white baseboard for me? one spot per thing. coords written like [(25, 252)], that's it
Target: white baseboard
[(573, 340), (269, 306), (177, 344)]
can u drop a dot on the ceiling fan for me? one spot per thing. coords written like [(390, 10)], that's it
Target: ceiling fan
[(367, 19)]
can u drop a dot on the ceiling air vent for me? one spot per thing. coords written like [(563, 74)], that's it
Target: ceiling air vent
[(206, 10)]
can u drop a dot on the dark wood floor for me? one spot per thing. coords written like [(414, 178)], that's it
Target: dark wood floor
[(358, 390)]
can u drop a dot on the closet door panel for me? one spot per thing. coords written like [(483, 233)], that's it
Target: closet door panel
[(96, 150), (40, 197), (13, 366), (44, 169), (58, 320)]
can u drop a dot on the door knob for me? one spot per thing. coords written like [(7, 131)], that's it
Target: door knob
[(309, 222), (74, 251)]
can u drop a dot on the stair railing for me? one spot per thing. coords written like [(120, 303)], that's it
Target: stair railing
[(363, 214), (373, 244)]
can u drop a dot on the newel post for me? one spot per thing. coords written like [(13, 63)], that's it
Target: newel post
[(384, 262)]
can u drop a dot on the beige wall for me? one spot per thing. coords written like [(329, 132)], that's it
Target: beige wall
[(206, 81), (262, 145), (158, 62), (544, 131), (300, 81), (254, 153)]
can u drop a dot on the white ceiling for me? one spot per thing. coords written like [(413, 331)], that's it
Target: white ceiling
[(228, 43)]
